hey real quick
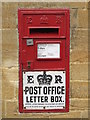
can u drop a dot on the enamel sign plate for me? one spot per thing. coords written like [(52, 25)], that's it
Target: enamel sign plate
[(44, 90)]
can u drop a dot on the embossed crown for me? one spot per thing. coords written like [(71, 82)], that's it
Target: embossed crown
[(44, 79), (44, 19)]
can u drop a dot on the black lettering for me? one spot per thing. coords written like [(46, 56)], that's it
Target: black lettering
[(34, 98), (31, 90), (53, 90), (56, 98), (60, 98), (58, 90), (26, 90), (30, 79), (35, 90), (63, 89), (46, 99), (42, 98), (45, 90), (49, 90), (31, 100), (52, 98), (39, 98), (58, 79), (39, 90), (27, 99)]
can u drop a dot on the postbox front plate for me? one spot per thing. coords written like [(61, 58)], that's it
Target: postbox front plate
[(44, 40)]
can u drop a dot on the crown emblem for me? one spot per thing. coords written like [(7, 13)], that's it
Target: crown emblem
[(44, 19), (44, 79)]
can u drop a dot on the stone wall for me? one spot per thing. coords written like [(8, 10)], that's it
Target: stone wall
[(78, 60)]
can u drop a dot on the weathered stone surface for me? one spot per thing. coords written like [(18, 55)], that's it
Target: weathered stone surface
[(78, 104), (3, 109), (85, 114), (71, 114), (79, 71), (53, 4), (9, 59), (79, 90), (73, 18), (11, 74), (11, 108), (7, 90), (0, 92), (87, 5), (0, 15), (9, 15), (79, 56), (0, 108), (9, 40), (83, 18), (79, 39), (16, 93), (1, 41), (89, 41), (9, 10)]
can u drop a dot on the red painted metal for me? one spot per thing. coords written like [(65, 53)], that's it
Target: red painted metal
[(30, 23)]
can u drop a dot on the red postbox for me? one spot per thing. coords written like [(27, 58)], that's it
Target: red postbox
[(44, 38)]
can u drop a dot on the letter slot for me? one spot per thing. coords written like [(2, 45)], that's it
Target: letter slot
[(44, 32)]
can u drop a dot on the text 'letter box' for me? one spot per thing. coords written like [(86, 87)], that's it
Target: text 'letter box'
[(44, 60)]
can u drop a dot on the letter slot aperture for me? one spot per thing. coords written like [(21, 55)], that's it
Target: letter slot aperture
[(44, 32)]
